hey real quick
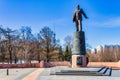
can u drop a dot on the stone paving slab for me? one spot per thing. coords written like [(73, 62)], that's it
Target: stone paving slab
[(45, 75), (15, 73), (19, 74), (33, 75), (77, 78)]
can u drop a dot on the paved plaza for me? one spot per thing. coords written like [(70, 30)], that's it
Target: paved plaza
[(15, 74), (45, 74)]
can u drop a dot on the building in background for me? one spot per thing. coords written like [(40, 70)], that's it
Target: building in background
[(99, 49), (93, 51), (106, 48), (111, 48)]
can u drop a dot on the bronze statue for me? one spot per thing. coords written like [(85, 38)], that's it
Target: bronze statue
[(77, 17)]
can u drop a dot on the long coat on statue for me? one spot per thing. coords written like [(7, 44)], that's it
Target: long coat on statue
[(78, 15)]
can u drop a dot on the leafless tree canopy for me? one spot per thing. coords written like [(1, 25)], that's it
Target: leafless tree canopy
[(105, 55), (21, 45)]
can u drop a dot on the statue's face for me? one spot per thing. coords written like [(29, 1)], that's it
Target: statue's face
[(78, 7)]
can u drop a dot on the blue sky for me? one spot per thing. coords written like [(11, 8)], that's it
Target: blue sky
[(102, 27)]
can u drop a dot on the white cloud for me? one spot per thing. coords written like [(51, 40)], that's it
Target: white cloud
[(109, 22)]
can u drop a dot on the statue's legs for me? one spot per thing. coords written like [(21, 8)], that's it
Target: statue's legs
[(80, 24), (77, 26)]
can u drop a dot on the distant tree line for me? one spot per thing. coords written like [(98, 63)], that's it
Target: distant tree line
[(106, 55), (23, 45)]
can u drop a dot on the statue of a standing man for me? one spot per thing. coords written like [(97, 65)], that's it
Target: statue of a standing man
[(77, 18)]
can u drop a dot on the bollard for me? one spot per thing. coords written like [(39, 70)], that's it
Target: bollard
[(7, 71)]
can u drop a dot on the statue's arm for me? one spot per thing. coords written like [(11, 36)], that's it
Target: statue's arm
[(74, 17), (84, 14)]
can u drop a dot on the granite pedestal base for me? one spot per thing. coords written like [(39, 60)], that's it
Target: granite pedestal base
[(79, 61)]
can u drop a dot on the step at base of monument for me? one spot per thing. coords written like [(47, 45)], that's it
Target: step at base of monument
[(79, 73), (72, 71)]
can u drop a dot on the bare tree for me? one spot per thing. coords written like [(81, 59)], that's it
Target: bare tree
[(9, 36), (49, 42), (26, 41), (60, 56), (68, 41), (21, 45), (68, 47)]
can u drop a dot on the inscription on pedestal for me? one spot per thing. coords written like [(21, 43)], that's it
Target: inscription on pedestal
[(79, 61)]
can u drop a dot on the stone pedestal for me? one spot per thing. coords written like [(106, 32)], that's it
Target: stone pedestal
[(79, 61), (79, 43), (79, 58)]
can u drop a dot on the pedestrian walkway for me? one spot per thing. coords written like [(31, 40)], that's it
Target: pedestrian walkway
[(15, 73), (45, 74), (33, 75)]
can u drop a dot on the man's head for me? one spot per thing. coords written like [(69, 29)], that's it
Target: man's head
[(78, 7)]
